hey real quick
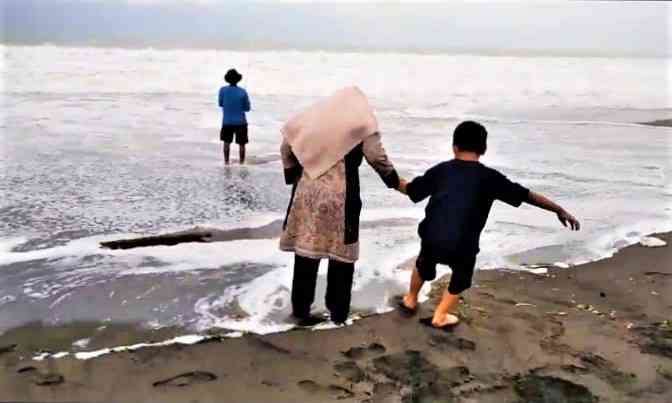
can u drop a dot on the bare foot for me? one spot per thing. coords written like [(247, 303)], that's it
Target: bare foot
[(410, 302), (441, 320)]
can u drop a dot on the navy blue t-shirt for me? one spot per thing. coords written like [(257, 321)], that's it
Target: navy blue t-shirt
[(461, 195)]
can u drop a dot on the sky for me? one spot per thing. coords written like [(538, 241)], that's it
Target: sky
[(546, 27)]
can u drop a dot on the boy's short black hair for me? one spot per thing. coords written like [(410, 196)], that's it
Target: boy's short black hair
[(470, 136)]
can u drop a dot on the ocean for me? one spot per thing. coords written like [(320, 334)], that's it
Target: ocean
[(99, 144)]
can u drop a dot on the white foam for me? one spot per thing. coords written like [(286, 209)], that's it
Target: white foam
[(6, 299), (329, 325), (87, 355), (58, 300), (7, 244), (78, 247), (41, 356), (608, 244), (652, 242), (266, 299), (177, 257), (82, 343)]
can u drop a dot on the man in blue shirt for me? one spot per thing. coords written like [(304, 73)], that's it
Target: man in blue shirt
[(234, 103)]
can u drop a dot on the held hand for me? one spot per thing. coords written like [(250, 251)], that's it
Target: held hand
[(569, 221), (402, 185)]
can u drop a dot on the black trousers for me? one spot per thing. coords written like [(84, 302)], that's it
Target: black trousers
[(339, 287)]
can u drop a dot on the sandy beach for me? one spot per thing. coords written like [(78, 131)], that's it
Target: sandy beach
[(595, 332)]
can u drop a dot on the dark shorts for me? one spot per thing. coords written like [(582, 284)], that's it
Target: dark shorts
[(227, 132), (461, 265)]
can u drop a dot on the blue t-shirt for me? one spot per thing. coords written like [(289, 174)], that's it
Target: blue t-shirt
[(234, 103), (461, 195)]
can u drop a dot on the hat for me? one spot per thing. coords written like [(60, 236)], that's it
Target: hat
[(232, 76)]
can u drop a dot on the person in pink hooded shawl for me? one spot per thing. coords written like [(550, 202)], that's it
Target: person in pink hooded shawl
[(322, 149)]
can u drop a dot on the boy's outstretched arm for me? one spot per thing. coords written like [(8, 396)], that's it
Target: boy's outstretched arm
[(545, 203)]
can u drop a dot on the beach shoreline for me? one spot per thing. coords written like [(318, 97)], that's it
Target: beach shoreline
[(659, 123), (599, 330)]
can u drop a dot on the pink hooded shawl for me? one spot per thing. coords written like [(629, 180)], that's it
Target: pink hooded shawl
[(326, 131)]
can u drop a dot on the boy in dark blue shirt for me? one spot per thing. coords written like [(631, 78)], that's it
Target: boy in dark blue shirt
[(461, 193)]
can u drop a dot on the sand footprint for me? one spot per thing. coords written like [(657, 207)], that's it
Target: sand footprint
[(358, 353), (40, 379), (350, 371), (385, 393), (331, 391), (450, 341), (8, 348), (186, 379)]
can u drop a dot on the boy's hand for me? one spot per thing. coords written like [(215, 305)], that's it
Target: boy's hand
[(565, 218), (402, 185), (569, 221)]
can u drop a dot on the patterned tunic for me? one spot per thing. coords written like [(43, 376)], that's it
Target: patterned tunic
[(323, 215)]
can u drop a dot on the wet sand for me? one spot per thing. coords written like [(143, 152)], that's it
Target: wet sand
[(601, 331)]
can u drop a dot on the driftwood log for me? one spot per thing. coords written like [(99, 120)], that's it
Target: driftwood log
[(204, 234), (198, 234)]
